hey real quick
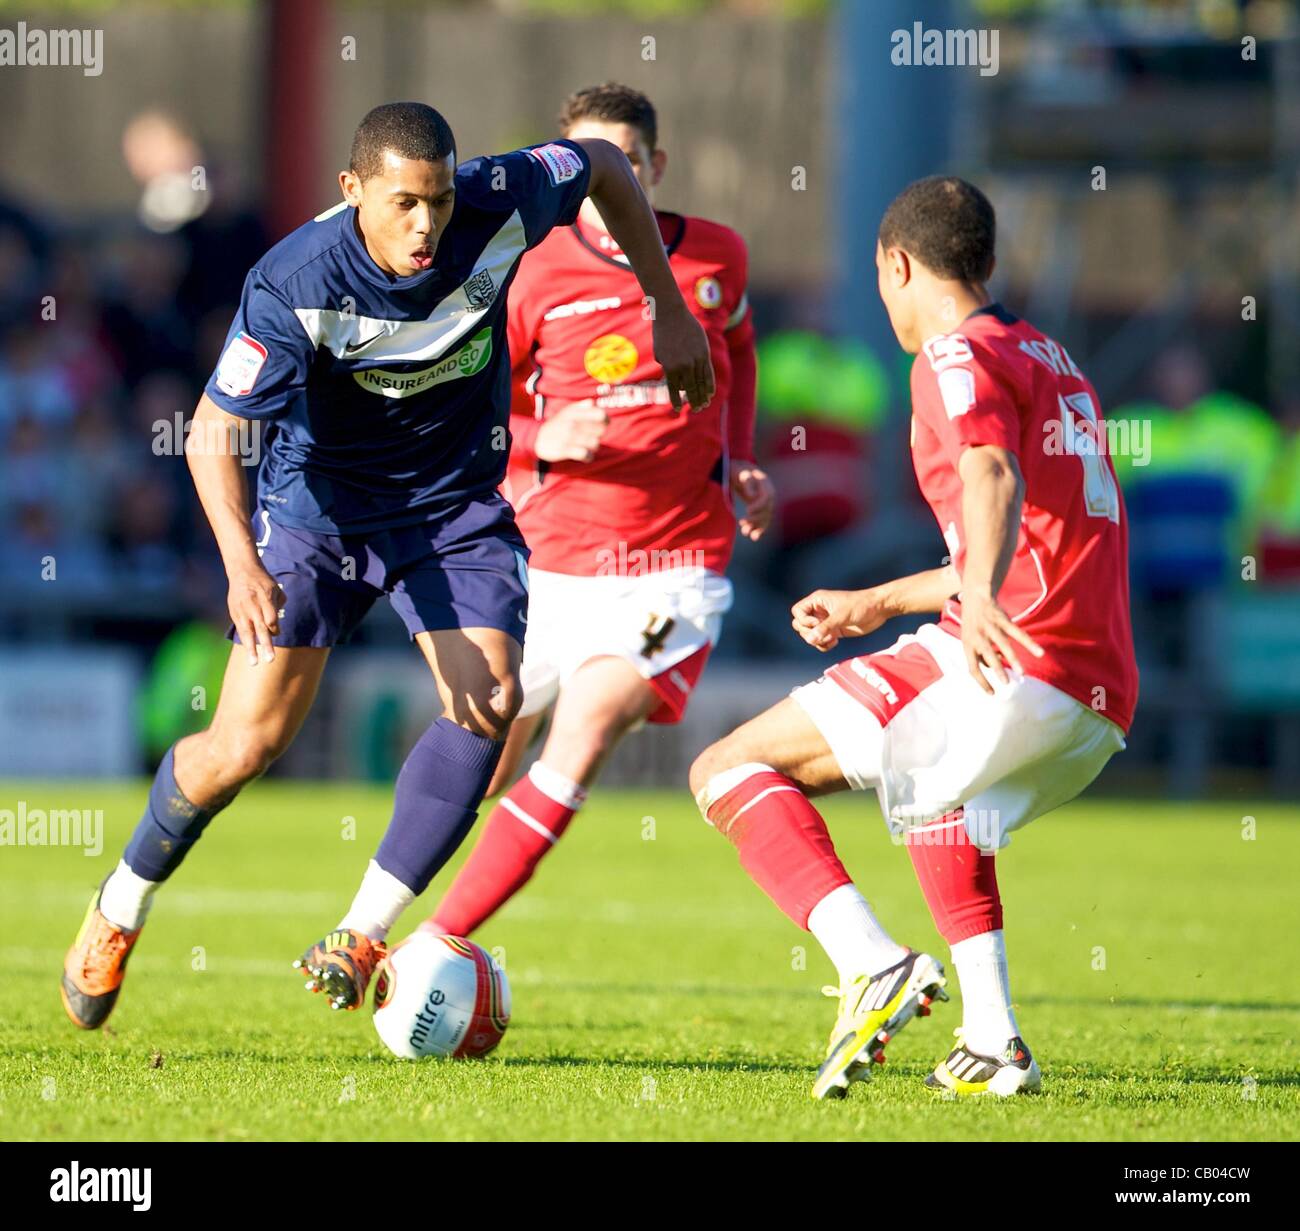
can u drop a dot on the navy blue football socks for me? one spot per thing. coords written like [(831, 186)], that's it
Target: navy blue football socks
[(169, 827), (439, 789)]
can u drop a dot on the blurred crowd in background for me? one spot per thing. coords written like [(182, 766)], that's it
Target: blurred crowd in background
[(110, 325), (110, 331)]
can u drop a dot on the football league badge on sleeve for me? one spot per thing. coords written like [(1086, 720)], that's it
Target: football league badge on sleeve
[(239, 366)]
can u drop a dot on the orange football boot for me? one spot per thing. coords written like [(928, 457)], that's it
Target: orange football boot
[(94, 968), (341, 966)]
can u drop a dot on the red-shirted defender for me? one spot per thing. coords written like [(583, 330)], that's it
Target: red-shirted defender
[(1006, 708), (626, 505)]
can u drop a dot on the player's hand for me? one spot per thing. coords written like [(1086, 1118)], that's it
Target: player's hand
[(254, 603), (682, 349), (825, 616), (755, 489), (989, 637), (572, 434)]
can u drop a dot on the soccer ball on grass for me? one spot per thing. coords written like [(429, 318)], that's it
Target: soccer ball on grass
[(440, 996)]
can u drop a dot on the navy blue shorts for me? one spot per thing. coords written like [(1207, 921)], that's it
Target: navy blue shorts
[(468, 569)]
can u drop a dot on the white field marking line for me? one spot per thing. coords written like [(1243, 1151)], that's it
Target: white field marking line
[(189, 901), (51, 960), (254, 967), (312, 904)]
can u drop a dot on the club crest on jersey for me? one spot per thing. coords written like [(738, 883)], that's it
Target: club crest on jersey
[(480, 290), (610, 358), (240, 364), (562, 164), (471, 359), (708, 291)]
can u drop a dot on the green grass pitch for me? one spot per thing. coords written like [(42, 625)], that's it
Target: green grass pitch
[(657, 993)]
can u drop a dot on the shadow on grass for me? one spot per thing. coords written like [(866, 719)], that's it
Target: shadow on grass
[(1140, 1002), (1064, 1074), (643, 1064)]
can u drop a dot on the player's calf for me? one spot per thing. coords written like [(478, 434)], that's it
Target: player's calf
[(520, 831), (260, 710), (960, 884), (435, 803)]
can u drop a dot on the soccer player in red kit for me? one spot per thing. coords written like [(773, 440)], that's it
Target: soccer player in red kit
[(626, 505), (1004, 709)]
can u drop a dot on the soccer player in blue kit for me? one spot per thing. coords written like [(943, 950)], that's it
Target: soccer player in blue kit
[(372, 341)]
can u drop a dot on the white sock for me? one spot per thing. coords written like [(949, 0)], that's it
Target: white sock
[(852, 936), (381, 898), (126, 897), (557, 786), (987, 1020)]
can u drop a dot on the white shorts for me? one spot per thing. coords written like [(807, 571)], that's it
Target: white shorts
[(663, 623), (911, 724)]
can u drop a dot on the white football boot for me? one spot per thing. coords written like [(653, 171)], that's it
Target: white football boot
[(966, 1073)]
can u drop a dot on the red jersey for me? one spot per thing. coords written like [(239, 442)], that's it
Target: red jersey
[(998, 381), (657, 487)]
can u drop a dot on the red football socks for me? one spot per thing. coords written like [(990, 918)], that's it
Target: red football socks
[(781, 838), (959, 883), (523, 826)]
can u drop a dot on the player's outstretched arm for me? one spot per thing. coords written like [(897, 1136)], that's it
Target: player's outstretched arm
[(216, 465), (824, 616), (993, 492), (681, 346)]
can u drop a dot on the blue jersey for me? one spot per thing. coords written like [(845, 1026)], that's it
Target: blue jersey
[(389, 398)]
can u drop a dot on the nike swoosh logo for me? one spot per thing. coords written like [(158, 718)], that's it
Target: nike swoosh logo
[(351, 348)]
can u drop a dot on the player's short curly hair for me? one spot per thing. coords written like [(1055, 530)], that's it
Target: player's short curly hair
[(613, 104), (410, 130), (945, 223)]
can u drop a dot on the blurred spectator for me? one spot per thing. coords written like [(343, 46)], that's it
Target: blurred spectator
[(78, 340), (145, 553), (164, 158), (39, 554), (224, 243), (101, 463), (1279, 539), (23, 246), (34, 468), (819, 400), (184, 190), (32, 382), (1193, 429), (142, 318)]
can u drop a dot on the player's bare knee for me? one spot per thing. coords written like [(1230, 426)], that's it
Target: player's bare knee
[(712, 761), (490, 711), (249, 754), (503, 702)]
